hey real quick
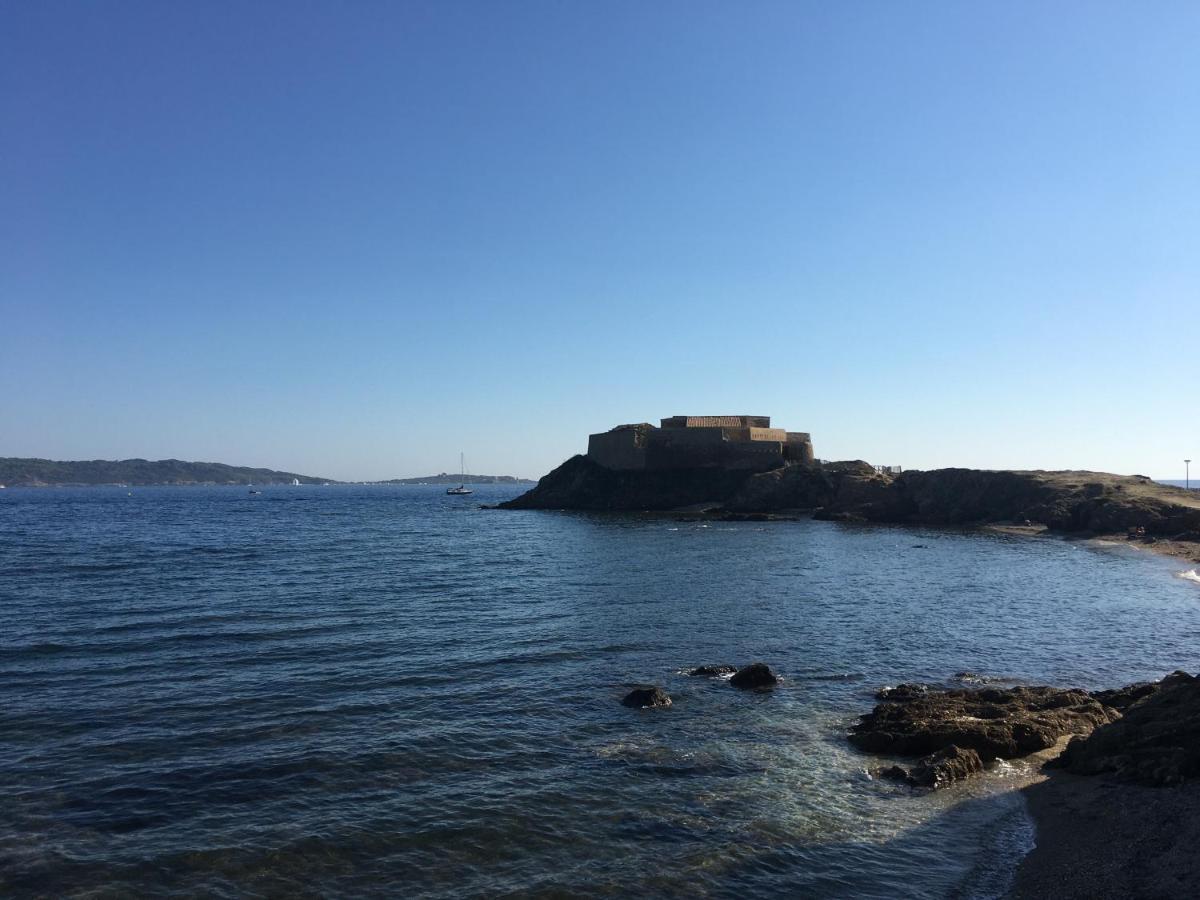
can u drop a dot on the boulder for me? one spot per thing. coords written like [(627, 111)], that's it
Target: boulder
[(936, 770), (712, 671), (647, 696), (755, 675), (1155, 742), (994, 722), (892, 773), (945, 767)]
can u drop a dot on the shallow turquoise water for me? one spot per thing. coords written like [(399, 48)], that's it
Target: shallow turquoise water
[(385, 690)]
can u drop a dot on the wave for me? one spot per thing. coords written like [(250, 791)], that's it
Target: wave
[(1190, 575)]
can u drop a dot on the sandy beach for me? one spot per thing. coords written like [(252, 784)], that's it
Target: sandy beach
[(1099, 838), (1188, 551)]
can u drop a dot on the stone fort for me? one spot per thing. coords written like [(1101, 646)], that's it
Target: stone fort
[(693, 442)]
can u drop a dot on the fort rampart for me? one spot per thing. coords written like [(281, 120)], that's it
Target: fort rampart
[(694, 442)]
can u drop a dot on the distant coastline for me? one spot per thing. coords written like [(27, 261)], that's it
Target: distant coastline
[(449, 478), (34, 472)]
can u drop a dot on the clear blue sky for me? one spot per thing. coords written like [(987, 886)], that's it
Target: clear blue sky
[(352, 239)]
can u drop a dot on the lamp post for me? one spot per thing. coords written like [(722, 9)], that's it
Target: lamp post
[(1187, 474)]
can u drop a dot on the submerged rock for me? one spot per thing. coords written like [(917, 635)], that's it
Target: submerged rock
[(755, 675), (647, 696), (712, 671), (1156, 742), (976, 678), (995, 723)]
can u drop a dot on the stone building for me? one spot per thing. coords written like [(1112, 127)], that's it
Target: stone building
[(693, 442)]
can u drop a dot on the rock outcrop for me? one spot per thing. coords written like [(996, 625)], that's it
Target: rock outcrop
[(1155, 742), (996, 723), (1147, 733), (647, 696)]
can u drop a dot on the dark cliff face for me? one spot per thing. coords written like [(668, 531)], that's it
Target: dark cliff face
[(580, 483), (1064, 501)]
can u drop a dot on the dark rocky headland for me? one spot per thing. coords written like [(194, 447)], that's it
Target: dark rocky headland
[(1068, 502)]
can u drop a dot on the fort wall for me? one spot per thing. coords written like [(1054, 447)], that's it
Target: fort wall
[(622, 448), (695, 442), (798, 447)]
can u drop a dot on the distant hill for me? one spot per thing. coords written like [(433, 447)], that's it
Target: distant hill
[(447, 478), (18, 472)]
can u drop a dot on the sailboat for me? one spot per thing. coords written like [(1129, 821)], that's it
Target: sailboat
[(462, 474)]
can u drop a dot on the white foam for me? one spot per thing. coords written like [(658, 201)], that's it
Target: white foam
[(1190, 575)]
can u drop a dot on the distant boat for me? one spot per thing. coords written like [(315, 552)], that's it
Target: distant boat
[(296, 482), (462, 474)]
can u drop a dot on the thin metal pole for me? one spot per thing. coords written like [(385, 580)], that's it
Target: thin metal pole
[(1187, 474)]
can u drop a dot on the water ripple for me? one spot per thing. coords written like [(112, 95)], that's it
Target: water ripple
[(349, 689)]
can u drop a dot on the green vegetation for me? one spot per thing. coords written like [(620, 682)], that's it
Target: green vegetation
[(15, 471)]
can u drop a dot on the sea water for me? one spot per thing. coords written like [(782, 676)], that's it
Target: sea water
[(385, 690)]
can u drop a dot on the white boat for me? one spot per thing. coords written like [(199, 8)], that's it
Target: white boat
[(296, 482), (462, 474)]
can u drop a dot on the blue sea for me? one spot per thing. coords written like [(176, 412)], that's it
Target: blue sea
[(388, 691)]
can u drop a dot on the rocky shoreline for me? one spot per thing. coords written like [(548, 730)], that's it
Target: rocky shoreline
[(1070, 502), (1118, 814)]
